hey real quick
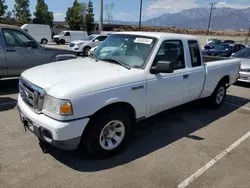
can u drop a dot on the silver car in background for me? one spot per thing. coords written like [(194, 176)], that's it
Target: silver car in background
[(244, 56), (19, 51)]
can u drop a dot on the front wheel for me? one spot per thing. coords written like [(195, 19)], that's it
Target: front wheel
[(218, 96), (62, 41), (107, 134), (86, 51), (44, 41)]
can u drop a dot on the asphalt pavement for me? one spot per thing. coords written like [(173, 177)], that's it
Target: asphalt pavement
[(188, 146)]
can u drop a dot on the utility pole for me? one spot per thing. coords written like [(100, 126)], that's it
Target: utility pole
[(140, 15), (101, 16), (210, 16), (248, 35)]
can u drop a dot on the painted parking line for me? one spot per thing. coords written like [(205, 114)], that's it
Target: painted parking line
[(194, 176), (8, 103), (235, 105)]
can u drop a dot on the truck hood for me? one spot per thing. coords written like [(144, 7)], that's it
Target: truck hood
[(56, 36), (80, 76), (79, 41)]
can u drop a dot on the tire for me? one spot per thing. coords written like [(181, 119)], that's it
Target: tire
[(217, 98), (57, 42), (100, 142), (86, 51), (44, 41), (62, 41)]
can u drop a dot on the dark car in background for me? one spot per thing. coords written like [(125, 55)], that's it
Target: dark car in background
[(224, 50), (216, 42)]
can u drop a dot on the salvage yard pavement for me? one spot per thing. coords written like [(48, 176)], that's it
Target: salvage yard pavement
[(188, 146)]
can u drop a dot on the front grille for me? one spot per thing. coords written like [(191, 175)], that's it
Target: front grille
[(32, 95), (71, 45)]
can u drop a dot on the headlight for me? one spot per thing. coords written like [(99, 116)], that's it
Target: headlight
[(79, 44), (57, 106)]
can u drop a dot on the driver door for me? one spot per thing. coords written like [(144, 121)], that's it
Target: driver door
[(168, 90), (18, 56)]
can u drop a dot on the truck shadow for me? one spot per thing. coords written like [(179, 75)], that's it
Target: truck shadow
[(151, 135), (9, 86), (7, 103), (242, 84)]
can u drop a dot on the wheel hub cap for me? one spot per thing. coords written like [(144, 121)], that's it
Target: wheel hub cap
[(112, 135), (220, 95)]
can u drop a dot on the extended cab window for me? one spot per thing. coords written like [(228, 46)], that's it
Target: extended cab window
[(195, 53), (171, 51), (14, 37)]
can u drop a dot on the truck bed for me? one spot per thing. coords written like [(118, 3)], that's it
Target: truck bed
[(207, 59)]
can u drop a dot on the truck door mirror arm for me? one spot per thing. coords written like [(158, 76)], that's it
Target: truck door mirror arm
[(162, 67)]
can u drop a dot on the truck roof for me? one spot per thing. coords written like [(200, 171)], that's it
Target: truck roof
[(158, 34)]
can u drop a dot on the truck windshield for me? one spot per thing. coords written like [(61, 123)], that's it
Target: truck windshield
[(62, 33), (89, 38), (131, 50)]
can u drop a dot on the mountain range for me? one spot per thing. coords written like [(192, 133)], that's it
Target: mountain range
[(197, 18)]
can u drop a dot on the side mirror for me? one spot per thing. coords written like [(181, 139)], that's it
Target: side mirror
[(96, 40), (31, 44), (162, 67)]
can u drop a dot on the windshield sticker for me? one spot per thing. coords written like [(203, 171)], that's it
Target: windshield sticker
[(143, 40)]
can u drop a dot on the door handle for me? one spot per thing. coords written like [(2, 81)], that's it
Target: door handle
[(185, 76), (10, 50)]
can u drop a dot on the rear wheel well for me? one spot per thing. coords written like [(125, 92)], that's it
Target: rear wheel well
[(225, 79)]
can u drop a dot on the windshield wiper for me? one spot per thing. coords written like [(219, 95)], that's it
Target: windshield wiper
[(117, 62)]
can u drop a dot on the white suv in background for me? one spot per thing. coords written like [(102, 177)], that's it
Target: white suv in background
[(85, 44)]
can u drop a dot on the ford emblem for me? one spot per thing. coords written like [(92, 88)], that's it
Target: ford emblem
[(24, 94)]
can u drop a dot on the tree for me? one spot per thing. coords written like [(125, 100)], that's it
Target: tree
[(89, 17), (21, 11), (42, 14), (3, 8), (73, 16)]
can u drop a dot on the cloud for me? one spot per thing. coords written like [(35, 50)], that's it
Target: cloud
[(59, 16), (169, 6), (236, 6), (123, 16)]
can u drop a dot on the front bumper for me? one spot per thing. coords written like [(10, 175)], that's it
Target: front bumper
[(244, 77), (76, 49), (64, 135)]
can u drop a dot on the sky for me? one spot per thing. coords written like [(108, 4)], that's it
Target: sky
[(128, 10)]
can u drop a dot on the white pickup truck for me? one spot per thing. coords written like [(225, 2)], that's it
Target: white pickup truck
[(131, 76)]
